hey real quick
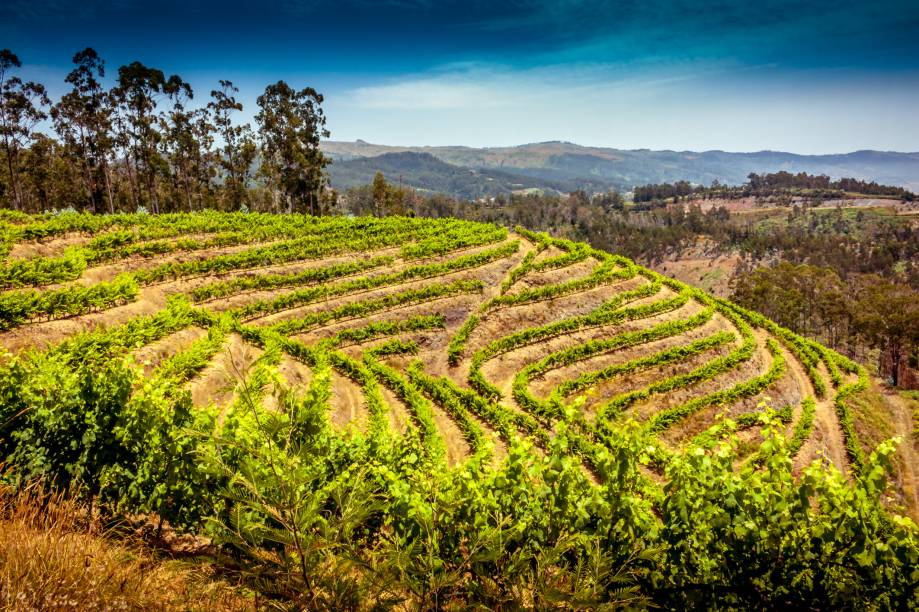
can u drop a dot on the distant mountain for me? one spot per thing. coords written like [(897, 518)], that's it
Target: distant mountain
[(562, 166), (425, 172)]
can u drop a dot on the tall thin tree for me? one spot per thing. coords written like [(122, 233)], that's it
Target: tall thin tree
[(82, 118), (291, 124), (21, 106), (238, 151), (138, 91)]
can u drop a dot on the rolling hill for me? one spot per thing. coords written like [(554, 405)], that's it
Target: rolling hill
[(565, 166), (425, 172)]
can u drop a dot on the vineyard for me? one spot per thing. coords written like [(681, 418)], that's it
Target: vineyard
[(435, 411)]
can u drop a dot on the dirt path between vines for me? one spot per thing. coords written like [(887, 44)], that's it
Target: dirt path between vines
[(826, 435), (903, 424)]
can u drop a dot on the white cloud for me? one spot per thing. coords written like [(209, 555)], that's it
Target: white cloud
[(429, 93), (480, 86), (476, 86)]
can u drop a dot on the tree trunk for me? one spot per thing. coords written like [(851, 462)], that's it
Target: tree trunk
[(895, 363), (88, 174), (108, 186), (131, 167), (14, 183), (151, 188), (187, 185), (889, 361)]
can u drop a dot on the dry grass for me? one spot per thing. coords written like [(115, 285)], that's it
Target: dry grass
[(880, 413), (53, 558)]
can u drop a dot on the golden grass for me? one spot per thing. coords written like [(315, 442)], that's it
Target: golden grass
[(53, 558), (872, 415)]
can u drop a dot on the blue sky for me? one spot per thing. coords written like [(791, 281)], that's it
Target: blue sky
[(818, 77)]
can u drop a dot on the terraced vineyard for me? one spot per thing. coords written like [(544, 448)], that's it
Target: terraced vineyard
[(464, 335), (451, 343)]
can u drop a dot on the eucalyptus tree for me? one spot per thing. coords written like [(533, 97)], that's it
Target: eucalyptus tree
[(48, 175), (83, 120), (886, 314), (291, 124), (21, 105), (238, 152), (186, 143), (137, 94)]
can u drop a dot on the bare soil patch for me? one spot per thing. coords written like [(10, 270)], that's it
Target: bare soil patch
[(217, 383), (502, 369), (347, 408), (903, 420), (108, 271), (754, 366), (826, 439), (554, 377), (581, 269), (399, 415), (53, 247), (503, 321)]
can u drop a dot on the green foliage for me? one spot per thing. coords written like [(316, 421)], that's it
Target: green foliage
[(593, 348), (504, 420), (444, 397), (363, 308), (42, 270), (668, 356), (421, 409), (610, 270), (17, 308), (801, 348), (357, 335), (607, 314), (58, 422), (844, 415), (363, 377), (663, 419), (459, 340), (574, 252), (220, 289), (302, 297), (578, 513), (804, 425), (816, 541), (114, 341), (473, 236)]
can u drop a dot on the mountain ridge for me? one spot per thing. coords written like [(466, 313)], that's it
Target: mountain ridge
[(565, 166)]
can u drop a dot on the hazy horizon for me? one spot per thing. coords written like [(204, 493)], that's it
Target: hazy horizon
[(816, 78), (578, 144)]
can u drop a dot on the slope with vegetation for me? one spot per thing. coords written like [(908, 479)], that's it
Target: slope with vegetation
[(438, 413), (833, 270), (574, 167)]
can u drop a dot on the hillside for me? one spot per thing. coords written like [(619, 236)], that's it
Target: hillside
[(571, 166), (425, 172), (397, 390)]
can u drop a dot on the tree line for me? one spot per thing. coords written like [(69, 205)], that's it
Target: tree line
[(863, 311), (759, 183), (142, 144), (767, 185)]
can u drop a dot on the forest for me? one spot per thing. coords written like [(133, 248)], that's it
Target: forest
[(143, 144), (771, 184)]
